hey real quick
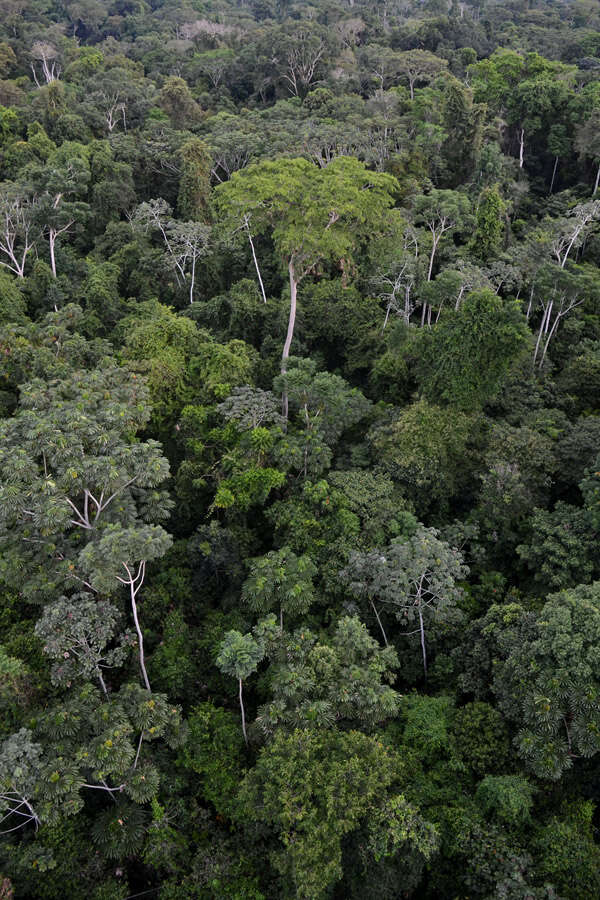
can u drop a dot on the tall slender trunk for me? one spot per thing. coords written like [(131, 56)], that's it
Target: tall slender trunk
[(52, 242), (530, 304), (135, 582), (521, 148), (597, 182), (548, 317), (553, 173), (551, 334), (141, 640), (290, 332), (387, 315), (422, 631), (102, 682), (243, 713), (193, 278), (407, 308), (432, 257), (542, 330), (379, 622), (574, 236), (260, 281)]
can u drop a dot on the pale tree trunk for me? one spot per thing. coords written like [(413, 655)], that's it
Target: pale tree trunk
[(243, 712), (290, 332), (543, 329), (102, 683), (141, 640), (193, 277), (554, 173), (521, 147), (551, 334), (53, 235), (379, 622), (52, 242), (597, 182), (260, 281), (548, 317), (530, 304), (561, 313), (407, 306), (459, 297), (134, 583), (387, 316), (432, 257), (422, 633)]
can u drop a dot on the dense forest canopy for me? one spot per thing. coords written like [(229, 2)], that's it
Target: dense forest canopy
[(299, 449)]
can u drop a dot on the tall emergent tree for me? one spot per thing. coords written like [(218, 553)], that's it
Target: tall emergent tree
[(314, 215), (239, 656), (79, 497), (415, 577)]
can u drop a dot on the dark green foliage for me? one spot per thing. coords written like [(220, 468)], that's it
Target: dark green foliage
[(119, 831), (562, 549), (568, 854), (472, 349), (341, 680), (214, 751), (422, 441), (506, 798), (299, 450), (312, 788), (480, 737), (172, 665), (489, 232)]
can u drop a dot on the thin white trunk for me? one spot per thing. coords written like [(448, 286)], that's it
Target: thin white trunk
[(387, 315), (139, 747), (141, 640), (52, 242), (135, 582), (540, 333), (521, 147), (432, 257), (102, 682), (260, 281), (193, 277), (530, 304), (243, 713), (549, 338), (423, 648), (290, 332), (554, 174), (407, 306), (597, 182), (385, 640), (548, 317), (574, 237)]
